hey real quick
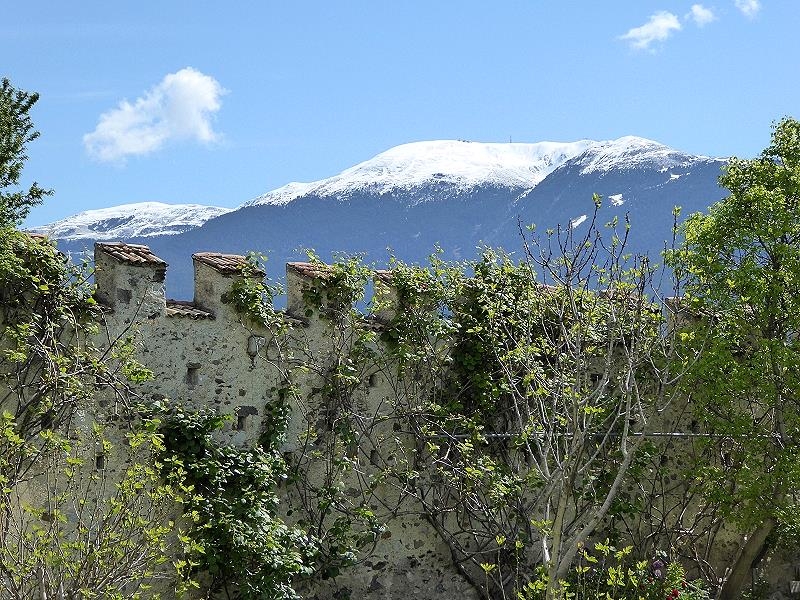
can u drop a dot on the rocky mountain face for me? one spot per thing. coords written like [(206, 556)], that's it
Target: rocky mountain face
[(457, 195)]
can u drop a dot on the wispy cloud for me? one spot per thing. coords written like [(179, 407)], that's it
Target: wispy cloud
[(701, 15), (660, 27), (749, 8), (180, 107)]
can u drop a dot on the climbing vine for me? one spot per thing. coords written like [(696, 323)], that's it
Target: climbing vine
[(238, 541), (509, 407)]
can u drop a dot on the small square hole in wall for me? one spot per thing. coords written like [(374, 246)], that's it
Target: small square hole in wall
[(193, 374), (100, 461), (373, 380), (242, 415)]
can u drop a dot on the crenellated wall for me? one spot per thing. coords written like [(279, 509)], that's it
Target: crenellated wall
[(197, 349), (204, 354)]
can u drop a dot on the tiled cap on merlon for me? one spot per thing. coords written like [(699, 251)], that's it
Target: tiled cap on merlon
[(227, 264), (300, 277), (132, 254), (129, 275), (214, 274)]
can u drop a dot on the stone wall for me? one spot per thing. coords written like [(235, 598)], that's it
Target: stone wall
[(204, 354)]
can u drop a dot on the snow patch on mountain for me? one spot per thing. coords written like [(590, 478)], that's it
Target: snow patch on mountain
[(460, 164), (616, 199), (142, 219), (577, 221)]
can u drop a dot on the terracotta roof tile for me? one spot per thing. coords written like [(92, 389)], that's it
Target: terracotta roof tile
[(133, 254), (384, 276), (182, 308), (228, 264), (311, 270), (39, 237)]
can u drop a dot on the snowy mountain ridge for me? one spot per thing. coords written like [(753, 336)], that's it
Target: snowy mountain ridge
[(460, 164), (141, 219), (629, 152), (463, 164)]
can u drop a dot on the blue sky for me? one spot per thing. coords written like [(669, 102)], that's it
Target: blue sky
[(216, 103)]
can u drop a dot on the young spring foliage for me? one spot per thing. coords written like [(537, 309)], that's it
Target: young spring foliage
[(742, 264)]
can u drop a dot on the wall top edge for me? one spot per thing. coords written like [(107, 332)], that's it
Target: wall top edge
[(311, 270), (184, 308), (227, 264), (133, 254)]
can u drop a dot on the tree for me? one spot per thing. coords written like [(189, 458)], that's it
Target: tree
[(561, 367), (69, 527), (513, 398), (240, 545), (16, 131), (742, 264), (84, 530)]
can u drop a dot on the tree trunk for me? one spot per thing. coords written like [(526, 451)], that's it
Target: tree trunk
[(742, 568), (553, 582), (42, 583)]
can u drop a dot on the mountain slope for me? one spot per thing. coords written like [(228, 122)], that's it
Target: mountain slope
[(458, 195), (637, 179)]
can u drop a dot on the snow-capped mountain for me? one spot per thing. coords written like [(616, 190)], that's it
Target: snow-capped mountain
[(457, 195), (141, 219), (460, 164)]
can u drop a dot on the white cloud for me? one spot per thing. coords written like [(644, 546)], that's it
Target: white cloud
[(701, 15), (178, 108), (660, 26), (749, 8)]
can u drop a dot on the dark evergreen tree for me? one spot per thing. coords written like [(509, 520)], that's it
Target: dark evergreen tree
[(16, 131)]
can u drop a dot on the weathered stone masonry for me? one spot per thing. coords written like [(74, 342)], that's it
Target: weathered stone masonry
[(203, 356), (206, 355)]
